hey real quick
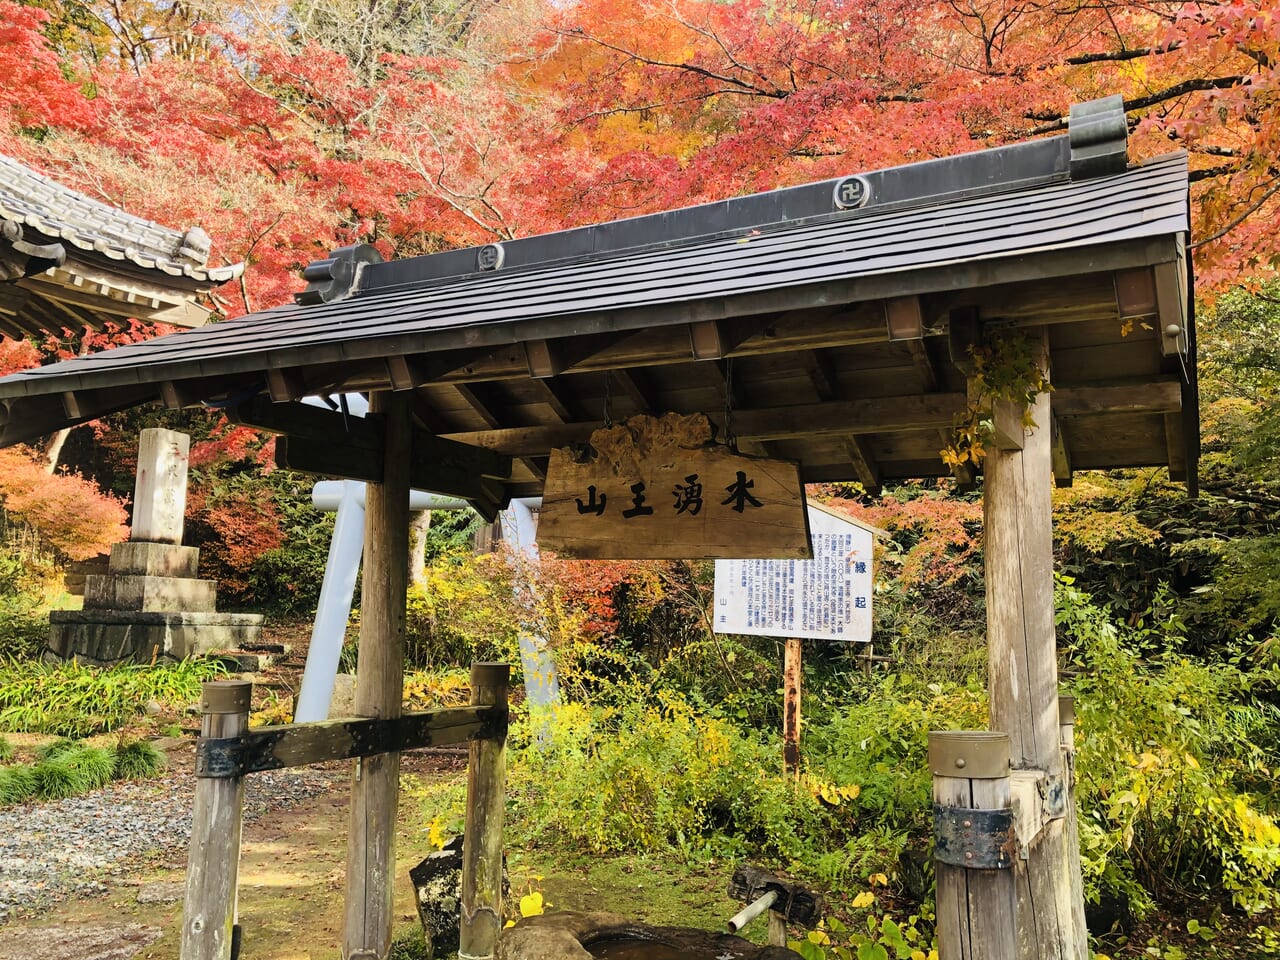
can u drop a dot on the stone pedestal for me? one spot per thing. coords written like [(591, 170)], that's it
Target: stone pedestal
[(150, 604)]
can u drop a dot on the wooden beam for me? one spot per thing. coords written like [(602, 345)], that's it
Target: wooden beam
[(634, 386), (345, 738), (705, 340), (964, 330), (864, 464), (903, 318), (470, 393), (541, 360), (286, 385), (818, 368), (1059, 456), (929, 380), (401, 374), (555, 397), (1176, 444), (1160, 396), (881, 415), (371, 842), (1171, 294), (302, 420), (213, 859), (1135, 293), (324, 442), (175, 396)]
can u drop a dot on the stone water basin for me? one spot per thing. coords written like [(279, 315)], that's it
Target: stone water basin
[(607, 936)]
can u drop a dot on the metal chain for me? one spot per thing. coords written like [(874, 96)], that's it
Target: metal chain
[(608, 399)]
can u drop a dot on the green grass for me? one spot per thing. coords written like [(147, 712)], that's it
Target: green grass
[(70, 700), (67, 768), (17, 784), (137, 760), (6, 749)]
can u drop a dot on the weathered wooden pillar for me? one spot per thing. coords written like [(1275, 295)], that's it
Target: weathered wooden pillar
[(481, 909), (974, 847), (379, 689), (1067, 731), (213, 863), (1023, 669)]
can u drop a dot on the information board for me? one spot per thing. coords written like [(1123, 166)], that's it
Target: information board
[(826, 598)]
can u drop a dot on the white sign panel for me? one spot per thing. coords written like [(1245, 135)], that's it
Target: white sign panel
[(826, 598)]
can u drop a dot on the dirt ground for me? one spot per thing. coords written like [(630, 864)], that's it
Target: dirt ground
[(292, 871)]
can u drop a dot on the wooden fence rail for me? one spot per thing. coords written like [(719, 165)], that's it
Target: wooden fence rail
[(227, 751)]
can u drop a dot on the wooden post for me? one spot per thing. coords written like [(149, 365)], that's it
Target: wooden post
[(1022, 674), (379, 689), (1067, 730), (481, 912), (777, 928), (213, 863), (976, 906), (791, 676)]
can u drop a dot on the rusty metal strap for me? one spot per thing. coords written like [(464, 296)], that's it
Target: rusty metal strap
[(974, 839), (300, 744)]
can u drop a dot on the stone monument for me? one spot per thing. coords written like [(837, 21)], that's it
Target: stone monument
[(150, 604)]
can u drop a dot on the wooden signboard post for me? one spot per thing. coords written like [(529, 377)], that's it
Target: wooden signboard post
[(658, 488), (826, 598)]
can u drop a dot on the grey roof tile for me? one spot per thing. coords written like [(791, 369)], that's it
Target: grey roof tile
[(62, 214)]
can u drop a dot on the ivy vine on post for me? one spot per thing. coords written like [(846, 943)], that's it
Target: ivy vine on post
[(1007, 371)]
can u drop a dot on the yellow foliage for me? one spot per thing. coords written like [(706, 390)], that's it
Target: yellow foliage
[(531, 904)]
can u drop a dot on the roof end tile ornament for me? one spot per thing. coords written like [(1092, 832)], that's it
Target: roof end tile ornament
[(194, 247), (337, 277), (1099, 135), (26, 259)]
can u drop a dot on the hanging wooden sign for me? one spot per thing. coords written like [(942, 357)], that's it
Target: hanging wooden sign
[(658, 488)]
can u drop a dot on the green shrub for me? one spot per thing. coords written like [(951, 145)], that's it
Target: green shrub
[(137, 760), (1174, 763), (6, 749), (55, 748), (94, 766), (71, 700), (642, 775), (17, 784), (462, 613), (56, 779)]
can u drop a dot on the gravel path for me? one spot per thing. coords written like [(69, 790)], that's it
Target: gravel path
[(49, 851)]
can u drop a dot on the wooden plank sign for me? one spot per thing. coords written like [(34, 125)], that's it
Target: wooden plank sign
[(657, 488)]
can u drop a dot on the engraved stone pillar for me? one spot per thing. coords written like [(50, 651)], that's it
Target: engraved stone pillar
[(160, 493)]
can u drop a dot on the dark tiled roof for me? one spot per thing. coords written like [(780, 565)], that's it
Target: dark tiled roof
[(63, 215), (939, 244)]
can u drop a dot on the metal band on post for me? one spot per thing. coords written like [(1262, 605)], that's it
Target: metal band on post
[(975, 844)]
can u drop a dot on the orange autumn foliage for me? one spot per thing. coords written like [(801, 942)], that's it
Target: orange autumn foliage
[(66, 512)]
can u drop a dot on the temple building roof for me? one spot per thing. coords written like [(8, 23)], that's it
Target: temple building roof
[(70, 261)]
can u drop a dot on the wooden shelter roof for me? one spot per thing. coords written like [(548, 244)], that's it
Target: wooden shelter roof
[(829, 321), (70, 261)]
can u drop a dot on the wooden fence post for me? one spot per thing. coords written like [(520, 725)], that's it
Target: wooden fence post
[(974, 845), (1067, 728), (481, 911), (213, 862), (792, 675)]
